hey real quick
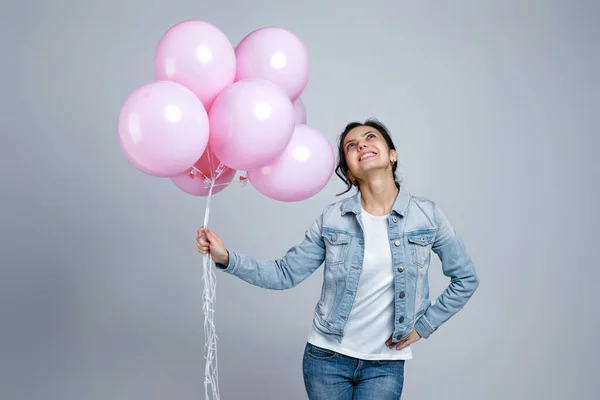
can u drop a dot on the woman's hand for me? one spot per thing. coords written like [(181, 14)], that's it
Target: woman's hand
[(209, 242), (413, 337)]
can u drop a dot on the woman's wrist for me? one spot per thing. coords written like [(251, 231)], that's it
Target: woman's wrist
[(224, 260)]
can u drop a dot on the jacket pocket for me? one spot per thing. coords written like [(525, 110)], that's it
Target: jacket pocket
[(420, 243), (336, 247)]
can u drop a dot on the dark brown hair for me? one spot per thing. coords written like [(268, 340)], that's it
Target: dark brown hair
[(342, 168)]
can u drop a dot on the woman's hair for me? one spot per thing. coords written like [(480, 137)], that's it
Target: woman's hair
[(342, 168)]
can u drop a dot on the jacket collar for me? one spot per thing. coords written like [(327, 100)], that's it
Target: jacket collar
[(352, 204)]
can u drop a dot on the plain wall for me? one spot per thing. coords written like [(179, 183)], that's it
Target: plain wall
[(493, 106)]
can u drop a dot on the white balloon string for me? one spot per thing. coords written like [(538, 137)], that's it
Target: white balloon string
[(211, 373)]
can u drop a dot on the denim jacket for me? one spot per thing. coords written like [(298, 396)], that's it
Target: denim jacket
[(417, 226)]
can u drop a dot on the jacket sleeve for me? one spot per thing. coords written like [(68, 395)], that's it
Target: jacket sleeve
[(298, 263), (458, 266)]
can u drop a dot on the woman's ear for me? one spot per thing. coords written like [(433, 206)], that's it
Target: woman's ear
[(351, 178)]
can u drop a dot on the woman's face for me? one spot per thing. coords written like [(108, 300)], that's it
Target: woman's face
[(366, 150)]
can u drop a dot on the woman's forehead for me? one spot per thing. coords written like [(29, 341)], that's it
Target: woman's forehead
[(358, 132)]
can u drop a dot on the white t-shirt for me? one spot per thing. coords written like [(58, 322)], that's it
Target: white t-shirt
[(371, 321)]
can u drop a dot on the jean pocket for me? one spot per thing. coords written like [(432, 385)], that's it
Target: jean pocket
[(320, 353)]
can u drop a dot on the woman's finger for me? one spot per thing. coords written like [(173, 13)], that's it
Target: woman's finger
[(203, 247), (403, 344), (202, 240)]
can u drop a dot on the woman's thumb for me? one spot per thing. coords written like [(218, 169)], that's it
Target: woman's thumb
[(211, 236)]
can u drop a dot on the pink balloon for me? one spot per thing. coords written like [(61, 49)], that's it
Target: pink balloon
[(207, 165), (299, 112), (133, 162), (251, 123), (277, 55), (163, 129), (303, 170), (199, 56)]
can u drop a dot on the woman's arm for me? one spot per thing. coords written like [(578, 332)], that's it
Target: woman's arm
[(298, 263), (458, 266)]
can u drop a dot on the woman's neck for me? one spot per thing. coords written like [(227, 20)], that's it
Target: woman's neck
[(378, 195)]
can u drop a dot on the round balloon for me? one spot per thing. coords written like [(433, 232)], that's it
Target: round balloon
[(251, 123), (303, 170), (197, 55), (163, 129), (299, 112), (206, 167), (275, 54)]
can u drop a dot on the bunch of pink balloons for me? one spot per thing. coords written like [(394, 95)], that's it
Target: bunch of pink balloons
[(215, 110)]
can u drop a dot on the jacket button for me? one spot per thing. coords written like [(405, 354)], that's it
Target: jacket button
[(402, 295), (397, 243), (334, 237), (401, 320), (400, 269), (361, 242), (395, 219)]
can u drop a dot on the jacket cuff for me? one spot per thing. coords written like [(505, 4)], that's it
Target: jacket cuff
[(423, 328)]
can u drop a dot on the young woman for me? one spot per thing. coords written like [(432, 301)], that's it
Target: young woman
[(376, 247)]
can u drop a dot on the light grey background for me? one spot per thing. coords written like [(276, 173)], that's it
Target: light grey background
[(493, 106)]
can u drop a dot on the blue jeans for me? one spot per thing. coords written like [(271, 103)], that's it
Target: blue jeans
[(329, 375)]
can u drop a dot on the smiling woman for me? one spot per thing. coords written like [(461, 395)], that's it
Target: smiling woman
[(375, 247), (374, 133)]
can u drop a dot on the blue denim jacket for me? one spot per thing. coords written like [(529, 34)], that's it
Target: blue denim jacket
[(416, 227)]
